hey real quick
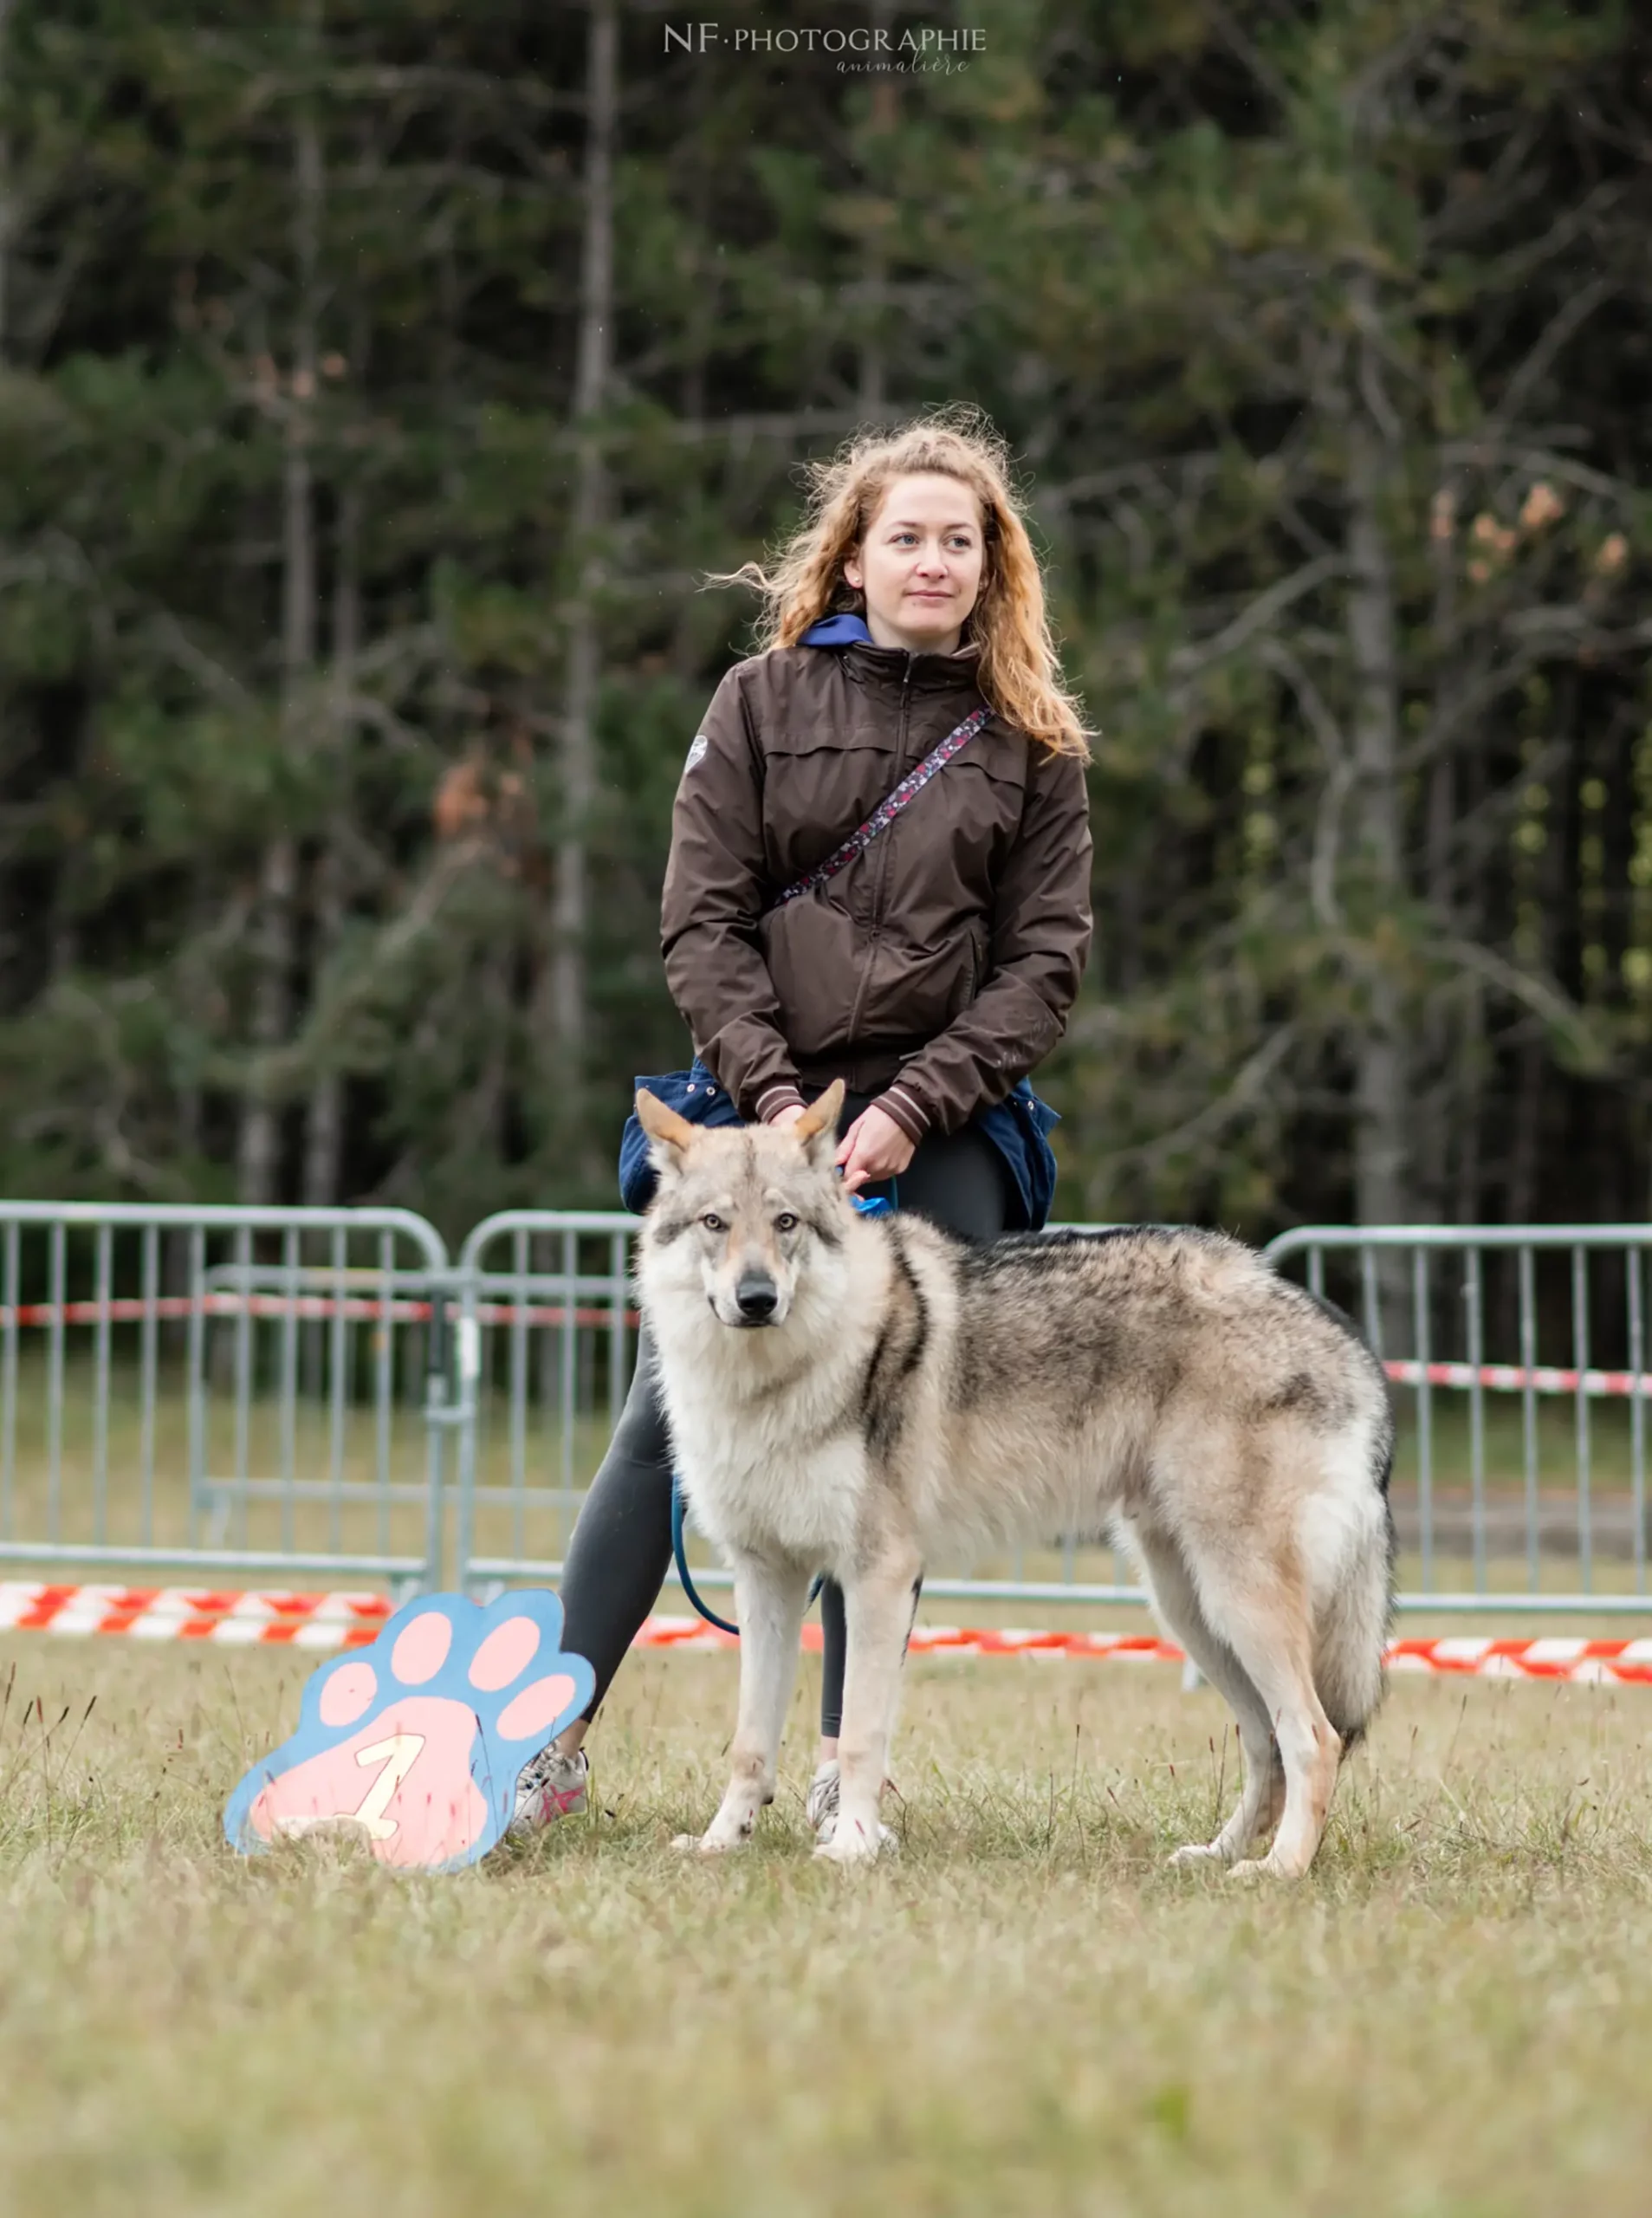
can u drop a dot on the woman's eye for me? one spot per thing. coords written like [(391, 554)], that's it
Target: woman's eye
[(786, 1223), (712, 1223)]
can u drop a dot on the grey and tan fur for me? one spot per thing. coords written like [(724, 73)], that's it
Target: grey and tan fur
[(861, 1396)]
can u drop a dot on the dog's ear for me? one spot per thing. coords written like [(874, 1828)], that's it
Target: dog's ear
[(668, 1133), (817, 1128)]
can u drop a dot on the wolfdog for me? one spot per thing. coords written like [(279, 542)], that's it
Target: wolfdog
[(860, 1395)]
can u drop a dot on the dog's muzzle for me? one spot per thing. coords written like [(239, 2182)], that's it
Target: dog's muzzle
[(756, 1299)]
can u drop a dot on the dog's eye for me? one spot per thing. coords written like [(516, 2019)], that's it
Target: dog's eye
[(712, 1222), (786, 1222)]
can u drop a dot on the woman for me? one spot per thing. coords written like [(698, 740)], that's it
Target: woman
[(931, 974)]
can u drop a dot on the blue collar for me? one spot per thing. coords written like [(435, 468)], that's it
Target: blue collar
[(839, 631)]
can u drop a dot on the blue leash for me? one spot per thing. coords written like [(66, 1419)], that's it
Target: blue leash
[(875, 1205), (677, 1550)]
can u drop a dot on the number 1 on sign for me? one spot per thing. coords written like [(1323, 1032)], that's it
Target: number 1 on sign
[(398, 1754)]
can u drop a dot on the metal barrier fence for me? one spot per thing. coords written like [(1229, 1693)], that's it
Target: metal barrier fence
[(1499, 1504), (222, 1389), (252, 1391), (540, 1413), (1519, 1481)]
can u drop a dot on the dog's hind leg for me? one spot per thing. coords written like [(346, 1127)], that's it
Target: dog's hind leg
[(1262, 1797), (879, 1605), (770, 1598), (1257, 1607)]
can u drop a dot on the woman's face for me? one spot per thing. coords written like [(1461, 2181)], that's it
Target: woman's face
[(920, 564)]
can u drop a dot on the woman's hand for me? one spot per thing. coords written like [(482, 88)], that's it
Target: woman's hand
[(874, 1148)]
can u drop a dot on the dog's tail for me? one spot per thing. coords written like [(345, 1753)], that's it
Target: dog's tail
[(1354, 1618)]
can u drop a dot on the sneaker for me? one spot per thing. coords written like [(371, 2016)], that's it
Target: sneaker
[(820, 1803), (821, 1807), (551, 1786)]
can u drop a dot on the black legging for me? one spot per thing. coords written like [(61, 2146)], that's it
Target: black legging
[(621, 1545)]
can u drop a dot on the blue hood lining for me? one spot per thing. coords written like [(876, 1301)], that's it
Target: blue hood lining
[(840, 631)]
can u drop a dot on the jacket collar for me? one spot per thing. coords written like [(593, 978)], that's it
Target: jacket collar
[(836, 631), (928, 672)]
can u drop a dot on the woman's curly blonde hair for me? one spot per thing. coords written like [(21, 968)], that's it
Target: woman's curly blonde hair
[(1018, 670)]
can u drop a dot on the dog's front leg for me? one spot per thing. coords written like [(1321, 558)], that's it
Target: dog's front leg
[(879, 1608), (769, 1598)]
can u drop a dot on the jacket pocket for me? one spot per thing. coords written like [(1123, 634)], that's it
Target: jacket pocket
[(813, 953), (914, 991)]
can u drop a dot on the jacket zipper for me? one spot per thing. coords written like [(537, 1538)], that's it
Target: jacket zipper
[(875, 924)]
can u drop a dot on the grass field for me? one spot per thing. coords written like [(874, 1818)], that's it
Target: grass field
[(1024, 2011)]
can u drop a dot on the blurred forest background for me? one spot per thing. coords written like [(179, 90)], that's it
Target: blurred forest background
[(378, 380)]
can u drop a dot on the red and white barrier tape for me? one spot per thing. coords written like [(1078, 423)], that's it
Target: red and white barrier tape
[(1598, 1662), (1494, 1378), (1554, 1657), (357, 1308), (261, 1619), (1513, 1378), (234, 1618)]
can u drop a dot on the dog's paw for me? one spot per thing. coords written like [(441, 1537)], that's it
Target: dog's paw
[(1260, 1868), (710, 1843), (851, 1843), (412, 1745), (1195, 1855)]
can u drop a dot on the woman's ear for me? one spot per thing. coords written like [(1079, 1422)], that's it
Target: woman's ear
[(851, 575)]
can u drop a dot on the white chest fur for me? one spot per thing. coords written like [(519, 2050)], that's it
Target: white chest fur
[(763, 1471)]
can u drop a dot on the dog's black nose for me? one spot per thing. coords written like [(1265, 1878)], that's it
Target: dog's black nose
[(756, 1299)]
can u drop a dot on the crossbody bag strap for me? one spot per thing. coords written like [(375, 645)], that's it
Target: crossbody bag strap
[(887, 810)]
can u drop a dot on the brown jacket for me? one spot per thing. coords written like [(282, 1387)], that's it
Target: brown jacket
[(941, 963)]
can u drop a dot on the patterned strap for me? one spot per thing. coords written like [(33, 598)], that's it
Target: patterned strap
[(887, 809)]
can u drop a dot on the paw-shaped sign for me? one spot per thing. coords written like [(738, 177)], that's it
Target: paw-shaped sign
[(413, 1745)]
